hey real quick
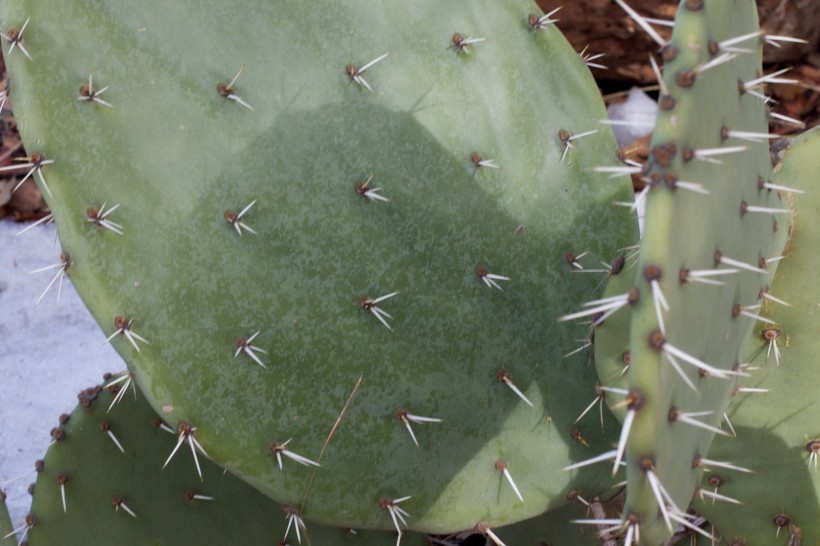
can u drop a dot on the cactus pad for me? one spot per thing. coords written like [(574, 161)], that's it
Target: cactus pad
[(778, 433), (267, 204), (89, 488), (6, 528), (714, 232)]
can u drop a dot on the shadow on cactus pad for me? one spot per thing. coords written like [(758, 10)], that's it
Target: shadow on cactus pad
[(368, 199)]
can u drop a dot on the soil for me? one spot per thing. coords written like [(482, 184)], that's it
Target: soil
[(602, 26)]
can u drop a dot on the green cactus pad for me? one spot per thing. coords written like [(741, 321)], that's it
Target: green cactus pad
[(778, 433), (153, 505), (708, 210), (704, 322), (5, 523), (612, 347), (197, 271)]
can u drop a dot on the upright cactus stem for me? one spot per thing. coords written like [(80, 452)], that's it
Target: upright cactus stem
[(713, 238)]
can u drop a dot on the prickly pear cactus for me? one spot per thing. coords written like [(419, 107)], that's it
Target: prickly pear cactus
[(715, 227), (6, 528), (104, 477), (778, 434), (709, 165), (611, 335), (329, 238)]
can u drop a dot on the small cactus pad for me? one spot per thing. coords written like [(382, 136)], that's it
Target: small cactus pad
[(329, 238), (6, 528), (611, 338), (778, 432), (89, 489)]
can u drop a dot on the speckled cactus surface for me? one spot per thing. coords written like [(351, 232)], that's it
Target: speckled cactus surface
[(102, 481), (329, 239), (344, 250)]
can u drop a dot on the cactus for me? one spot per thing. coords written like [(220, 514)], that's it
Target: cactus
[(103, 476), (612, 342), (372, 206), (554, 527), (714, 232), (84, 470), (777, 435), (404, 213), (6, 528), (678, 371)]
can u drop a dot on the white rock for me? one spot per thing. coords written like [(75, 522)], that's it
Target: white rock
[(640, 109)]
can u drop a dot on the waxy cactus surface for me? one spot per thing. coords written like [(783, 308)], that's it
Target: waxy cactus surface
[(103, 482), (778, 432), (334, 244), (714, 234), (329, 239)]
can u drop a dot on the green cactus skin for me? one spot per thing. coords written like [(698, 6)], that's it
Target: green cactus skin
[(775, 430), (5, 523), (175, 156), (684, 231), (612, 344), (162, 500)]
